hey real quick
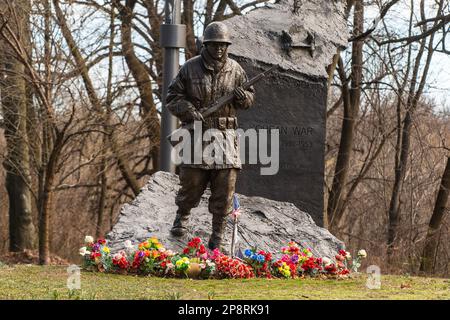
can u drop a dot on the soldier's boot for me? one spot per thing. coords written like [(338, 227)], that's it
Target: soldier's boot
[(179, 227), (215, 241)]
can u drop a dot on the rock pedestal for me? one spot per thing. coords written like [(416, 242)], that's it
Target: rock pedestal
[(264, 223)]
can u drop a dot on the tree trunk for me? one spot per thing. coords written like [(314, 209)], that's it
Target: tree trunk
[(218, 16), (45, 209), (143, 81), (432, 241), (209, 12), (351, 99), (188, 20), (14, 107), (417, 85), (155, 20), (49, 155), (123, 164), (102, 197)]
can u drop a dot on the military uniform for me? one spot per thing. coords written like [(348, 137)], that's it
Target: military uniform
[(201, 81)]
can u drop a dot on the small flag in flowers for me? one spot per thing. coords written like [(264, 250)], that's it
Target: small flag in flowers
[(236, 207)]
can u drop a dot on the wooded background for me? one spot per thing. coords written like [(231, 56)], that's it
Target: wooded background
[(80, 90)]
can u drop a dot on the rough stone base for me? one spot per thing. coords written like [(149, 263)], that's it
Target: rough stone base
[(264, 223)]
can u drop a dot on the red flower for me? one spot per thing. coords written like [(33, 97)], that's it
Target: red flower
[(186, 250), (340, 257), (121, 262), (95, 255), (344, 272), (191, 244), (232, 268), (331, 269)]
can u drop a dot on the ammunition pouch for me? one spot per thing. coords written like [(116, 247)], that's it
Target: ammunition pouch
[(221, 123)]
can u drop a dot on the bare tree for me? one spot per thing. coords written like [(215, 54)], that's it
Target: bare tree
[(351, 93), (142, 78), (15, 107), (429, 254), (416, 87)]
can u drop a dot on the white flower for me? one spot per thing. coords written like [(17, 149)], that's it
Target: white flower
[(169, 253), (117, 256), (348, 256), (128, 244), (326, 261), (202, 265), (84, 251), (169, 265), (89, 239), (362, 253)]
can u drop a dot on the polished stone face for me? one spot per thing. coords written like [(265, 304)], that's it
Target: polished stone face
[(297, 108)]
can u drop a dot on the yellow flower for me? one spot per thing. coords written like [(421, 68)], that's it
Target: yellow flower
[(183, 261), (106, 250), (285, 270), (153, 240)]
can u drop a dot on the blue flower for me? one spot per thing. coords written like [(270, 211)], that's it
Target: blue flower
[(248, 252), (261, 258), (253, 257)]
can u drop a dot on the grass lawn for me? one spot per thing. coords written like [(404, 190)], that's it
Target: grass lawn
[(38, 282)]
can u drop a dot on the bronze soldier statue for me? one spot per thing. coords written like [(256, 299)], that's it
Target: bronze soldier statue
[(200, 82)]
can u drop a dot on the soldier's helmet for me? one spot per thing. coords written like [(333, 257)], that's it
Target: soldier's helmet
[(216, 32)]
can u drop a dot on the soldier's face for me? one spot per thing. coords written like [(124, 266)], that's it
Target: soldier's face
[(217, 49)]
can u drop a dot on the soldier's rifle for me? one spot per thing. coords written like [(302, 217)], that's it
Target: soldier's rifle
[(222, 101)]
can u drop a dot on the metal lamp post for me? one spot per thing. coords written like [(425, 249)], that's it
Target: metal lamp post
[(173, 37)]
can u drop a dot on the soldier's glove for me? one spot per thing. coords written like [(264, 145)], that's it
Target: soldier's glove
[(239, 94), (194, 115)]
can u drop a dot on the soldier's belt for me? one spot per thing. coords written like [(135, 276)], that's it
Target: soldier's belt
[(221, 123)]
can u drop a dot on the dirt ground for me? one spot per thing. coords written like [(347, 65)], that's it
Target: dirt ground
[(29, 257)]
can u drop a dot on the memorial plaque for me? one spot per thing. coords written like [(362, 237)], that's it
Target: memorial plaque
[(292, 99), (297, 108)]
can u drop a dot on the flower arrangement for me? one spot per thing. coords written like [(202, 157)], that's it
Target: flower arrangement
[(151, 258), (196, 248), (182, 265), (340, 266), (356, 263), (227, 267), (283, 268), (96, 255), (260, 261), (201, 265)]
